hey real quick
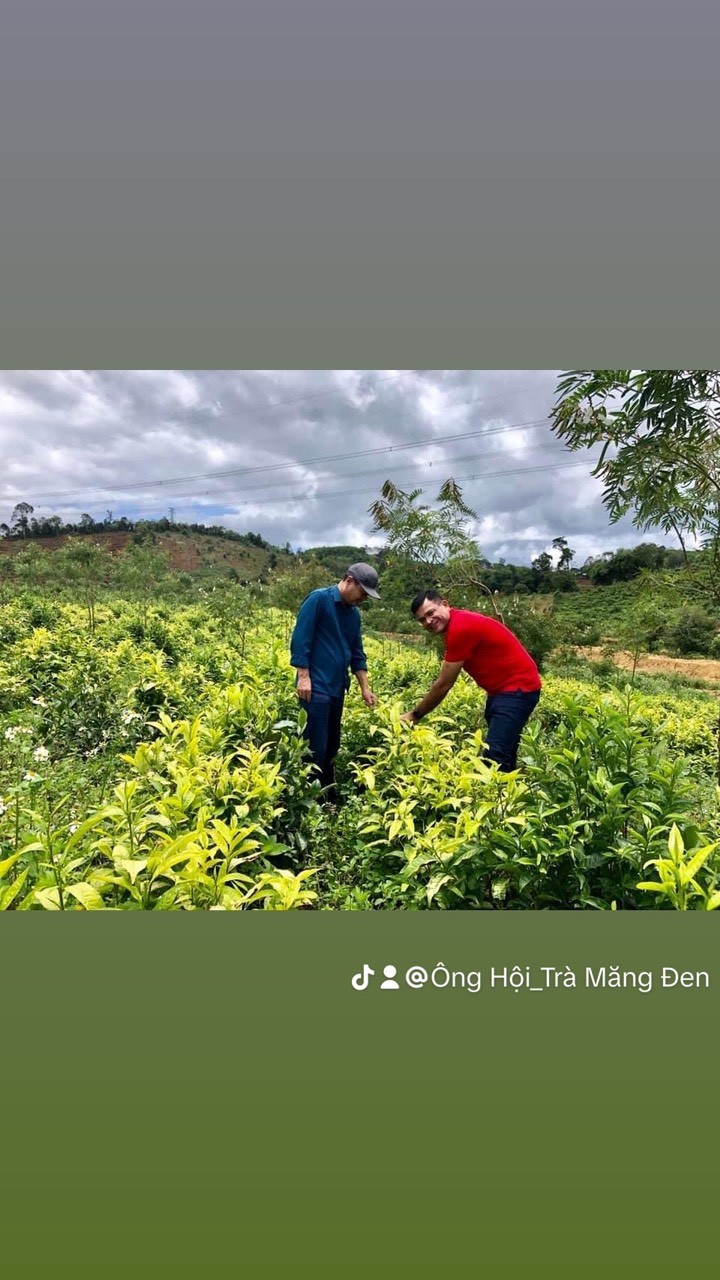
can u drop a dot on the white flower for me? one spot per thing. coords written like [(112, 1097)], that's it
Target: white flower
[(41, 753), (12, 733), (3, 808), (73, 828), (31, 777), (39, 702)]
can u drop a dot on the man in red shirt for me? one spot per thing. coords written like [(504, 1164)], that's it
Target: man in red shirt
[(496, 661)]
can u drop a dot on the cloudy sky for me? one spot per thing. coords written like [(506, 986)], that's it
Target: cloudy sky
[(298, 456)]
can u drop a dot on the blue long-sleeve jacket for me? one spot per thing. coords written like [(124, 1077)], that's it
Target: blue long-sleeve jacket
[(327, 640)]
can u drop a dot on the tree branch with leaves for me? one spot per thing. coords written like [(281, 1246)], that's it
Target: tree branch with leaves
[(432, 541), (659, 432)]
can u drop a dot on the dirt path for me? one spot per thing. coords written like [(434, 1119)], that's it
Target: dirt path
[(660, 664)]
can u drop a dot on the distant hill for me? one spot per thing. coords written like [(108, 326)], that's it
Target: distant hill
[(199, 549), (199, 552), (337, 560), (195, 553)]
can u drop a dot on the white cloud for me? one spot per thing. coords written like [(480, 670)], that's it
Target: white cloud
[(79, 440)]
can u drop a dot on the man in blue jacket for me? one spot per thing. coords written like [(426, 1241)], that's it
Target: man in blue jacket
[(325, 643)]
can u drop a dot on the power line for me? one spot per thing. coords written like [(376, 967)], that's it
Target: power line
[(445, 464), (280, 466), (320, 395), (352, 493), (480, 475)]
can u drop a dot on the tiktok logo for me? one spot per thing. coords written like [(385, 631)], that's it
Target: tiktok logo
[(360, 981)]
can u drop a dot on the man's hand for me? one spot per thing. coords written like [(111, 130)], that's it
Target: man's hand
[(304, 687), (369, 698), (449, 673)]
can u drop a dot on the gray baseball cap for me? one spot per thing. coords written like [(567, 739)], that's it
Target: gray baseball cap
[(366, 577)]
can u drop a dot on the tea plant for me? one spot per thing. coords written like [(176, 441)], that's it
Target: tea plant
[(157, 762), (679, 874)]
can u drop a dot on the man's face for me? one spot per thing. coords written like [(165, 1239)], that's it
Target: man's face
[(434, 615), (352, 592)]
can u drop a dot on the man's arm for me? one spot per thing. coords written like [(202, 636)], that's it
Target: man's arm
[(358, 666), (439, 689), (301, 644), (367, 693)]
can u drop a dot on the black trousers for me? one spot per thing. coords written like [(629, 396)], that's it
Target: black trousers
[(322, 731), (506, 715)]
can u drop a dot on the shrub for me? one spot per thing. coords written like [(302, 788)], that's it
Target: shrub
[(535, 629), (692, 631)]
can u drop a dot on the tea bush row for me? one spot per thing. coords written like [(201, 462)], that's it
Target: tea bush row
[(160, 765)]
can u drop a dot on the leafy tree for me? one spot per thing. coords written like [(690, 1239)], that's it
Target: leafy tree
[(659, 432), (627, 563), (543, 578), (534, 625), (87, 565), (337, 558), (543, 563), (289, 589), (692, 631), (21, 517), (566, 555), (639, 628), (426, 536), (142, 572), (235, 608), (431, 543)]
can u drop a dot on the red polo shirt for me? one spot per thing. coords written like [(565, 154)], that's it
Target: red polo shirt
[(490, 653)]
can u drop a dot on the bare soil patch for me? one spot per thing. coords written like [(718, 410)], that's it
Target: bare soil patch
[(188, 552), (660, 664)]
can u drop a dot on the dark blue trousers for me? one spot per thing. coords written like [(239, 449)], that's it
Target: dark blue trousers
[(322, 732), (506, 715)]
